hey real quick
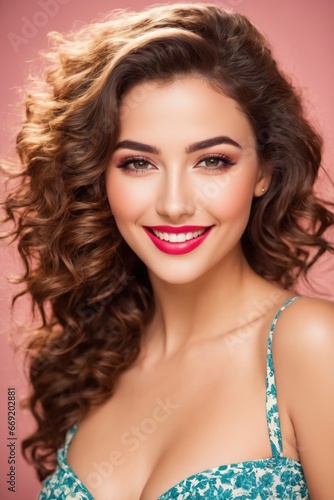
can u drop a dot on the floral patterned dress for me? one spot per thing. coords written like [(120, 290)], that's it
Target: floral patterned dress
[(272, 478)]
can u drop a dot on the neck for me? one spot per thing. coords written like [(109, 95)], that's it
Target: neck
[(185, 314)]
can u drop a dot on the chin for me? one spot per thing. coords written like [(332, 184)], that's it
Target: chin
[(179, 275)]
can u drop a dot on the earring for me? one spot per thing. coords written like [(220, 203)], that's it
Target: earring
[(263, 190)]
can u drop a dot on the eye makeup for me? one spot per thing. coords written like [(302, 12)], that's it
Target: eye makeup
[(215, 162)]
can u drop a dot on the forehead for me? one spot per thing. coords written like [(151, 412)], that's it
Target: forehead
[(187, 109)]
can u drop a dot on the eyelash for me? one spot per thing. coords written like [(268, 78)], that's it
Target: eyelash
[(227, 161), (124, 164)]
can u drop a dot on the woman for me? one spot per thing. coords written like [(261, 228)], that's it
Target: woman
[(165, 212)]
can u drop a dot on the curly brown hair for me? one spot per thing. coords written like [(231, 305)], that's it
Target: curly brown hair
[(91, 291)]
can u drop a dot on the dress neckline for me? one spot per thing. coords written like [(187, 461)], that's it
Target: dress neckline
[(269, 462), (261, 463)]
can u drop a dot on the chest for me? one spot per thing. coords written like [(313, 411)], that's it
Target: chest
[(164, 425)]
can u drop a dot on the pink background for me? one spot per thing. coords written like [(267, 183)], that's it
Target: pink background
[(302, 36)]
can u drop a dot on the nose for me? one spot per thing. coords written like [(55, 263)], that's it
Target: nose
[(176, 197)]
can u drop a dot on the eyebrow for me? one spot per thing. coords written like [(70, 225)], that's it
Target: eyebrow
[(207, 143), (223, 139)]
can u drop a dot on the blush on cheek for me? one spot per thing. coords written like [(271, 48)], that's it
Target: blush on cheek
[(233, 196), (125, 201)]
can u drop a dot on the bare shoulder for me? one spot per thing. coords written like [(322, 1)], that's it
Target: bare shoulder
[(306, 326), (303, 343), (303, 353)]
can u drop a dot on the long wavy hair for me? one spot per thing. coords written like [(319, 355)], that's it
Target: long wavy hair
[(90, 291)]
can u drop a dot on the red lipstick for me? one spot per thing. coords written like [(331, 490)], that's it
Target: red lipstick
[(177, 248)]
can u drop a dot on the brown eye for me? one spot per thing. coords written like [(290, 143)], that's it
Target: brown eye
[(140, 164), (216, 163), (135, 165), (212, 162)]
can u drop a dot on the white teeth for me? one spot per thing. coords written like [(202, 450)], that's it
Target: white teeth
[(181, 237), (177, 238)]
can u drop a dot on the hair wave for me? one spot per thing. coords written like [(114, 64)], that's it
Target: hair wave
[(92, 293)]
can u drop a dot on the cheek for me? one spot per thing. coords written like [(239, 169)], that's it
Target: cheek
[(128, 197), (231, 196)]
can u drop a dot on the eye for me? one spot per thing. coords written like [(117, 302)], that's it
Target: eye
[(139, 164), (135, 164), (215, 162)]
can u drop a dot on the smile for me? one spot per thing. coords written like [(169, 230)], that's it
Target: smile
[(177, 240)]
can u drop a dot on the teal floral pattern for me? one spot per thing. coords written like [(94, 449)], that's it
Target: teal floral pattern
[(272, 478), (64, 484), (266, 479)]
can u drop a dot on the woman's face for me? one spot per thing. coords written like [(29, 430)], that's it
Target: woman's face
[(182, 177)]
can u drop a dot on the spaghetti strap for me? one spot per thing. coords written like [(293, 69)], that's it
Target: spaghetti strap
[(68, 438), (273, 420)]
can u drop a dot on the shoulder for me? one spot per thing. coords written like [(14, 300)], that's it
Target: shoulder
[(306, 326), (303, 341), (303, 353)]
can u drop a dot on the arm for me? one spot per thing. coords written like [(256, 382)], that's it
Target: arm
[(305, 353)]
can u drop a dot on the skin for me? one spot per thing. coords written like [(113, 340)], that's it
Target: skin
[(205, 349), (173, 192)]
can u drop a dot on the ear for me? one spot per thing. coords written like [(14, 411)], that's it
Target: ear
[(263, 181)]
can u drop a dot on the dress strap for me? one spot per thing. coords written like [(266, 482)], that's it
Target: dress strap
[(62, 452), (68, 438), (273, 420)]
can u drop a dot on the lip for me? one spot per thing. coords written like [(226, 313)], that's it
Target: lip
[(181, 247)]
